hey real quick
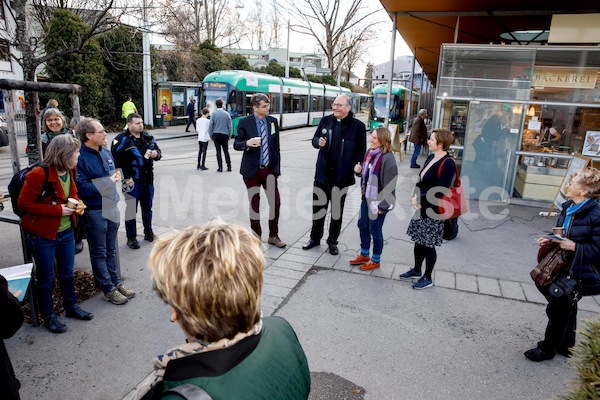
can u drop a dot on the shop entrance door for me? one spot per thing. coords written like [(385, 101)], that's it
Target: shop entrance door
[(491, 139)]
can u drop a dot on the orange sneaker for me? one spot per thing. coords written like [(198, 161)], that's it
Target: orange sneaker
[(360, 260), (369, 266)]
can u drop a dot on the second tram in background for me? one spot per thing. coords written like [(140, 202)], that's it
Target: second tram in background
[(399, 104), (294, 102)]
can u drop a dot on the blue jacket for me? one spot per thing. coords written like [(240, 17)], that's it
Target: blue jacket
[(93, 171), (128, 153), (585, 232)]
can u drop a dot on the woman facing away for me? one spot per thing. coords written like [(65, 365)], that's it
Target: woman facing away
[(211, 277), (580, 218), (379, 174), (426, 228), (49, 224)]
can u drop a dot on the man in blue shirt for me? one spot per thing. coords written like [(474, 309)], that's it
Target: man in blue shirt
[(96, 185), (258, 137)]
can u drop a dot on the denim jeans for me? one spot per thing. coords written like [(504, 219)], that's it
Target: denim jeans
[(370, 226), (142, 194), (416, 152), (44, 252), (102, 237)]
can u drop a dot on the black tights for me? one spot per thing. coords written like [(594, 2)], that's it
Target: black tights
[(425, 253)]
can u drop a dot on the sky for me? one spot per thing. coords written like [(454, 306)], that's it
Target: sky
[(379, 53)]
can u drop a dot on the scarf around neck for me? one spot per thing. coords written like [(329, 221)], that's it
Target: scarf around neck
[(187, 349), (573, 208), (371, 169)]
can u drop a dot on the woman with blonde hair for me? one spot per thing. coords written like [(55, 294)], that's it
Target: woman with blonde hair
[(379, 174), (426, 228), (580, 218), (211, 277), (49, 224)]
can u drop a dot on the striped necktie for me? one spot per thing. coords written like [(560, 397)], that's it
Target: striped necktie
[(264, 144)]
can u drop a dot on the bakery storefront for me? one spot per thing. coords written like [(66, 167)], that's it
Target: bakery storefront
[(519, 114)]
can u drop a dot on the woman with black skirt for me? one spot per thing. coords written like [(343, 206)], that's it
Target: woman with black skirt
[(427, 225)]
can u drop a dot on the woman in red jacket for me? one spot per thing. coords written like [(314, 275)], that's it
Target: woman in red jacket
[(49, 223)]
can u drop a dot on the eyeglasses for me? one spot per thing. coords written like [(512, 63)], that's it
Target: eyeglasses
[(102, 131), (339, 105)]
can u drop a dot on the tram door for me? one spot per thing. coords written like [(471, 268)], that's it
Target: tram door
[(489, 160)]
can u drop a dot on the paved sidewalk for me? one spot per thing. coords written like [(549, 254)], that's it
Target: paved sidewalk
[(474, 323)]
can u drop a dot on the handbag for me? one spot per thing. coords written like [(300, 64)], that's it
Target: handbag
[(551, 261), (564, 289), (453, 204)]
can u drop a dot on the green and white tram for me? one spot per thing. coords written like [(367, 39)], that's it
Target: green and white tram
[(399, 107), (294, 102)]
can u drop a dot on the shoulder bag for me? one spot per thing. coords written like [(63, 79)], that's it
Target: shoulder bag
[(453, 204), (565, 288)]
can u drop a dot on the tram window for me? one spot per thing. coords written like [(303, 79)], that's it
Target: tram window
[(274, 98), (232, 105), (287, 104), (303, 103), (317, 103), (329, 103)]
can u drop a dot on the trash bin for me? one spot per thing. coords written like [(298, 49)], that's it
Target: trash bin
[(159, 123)]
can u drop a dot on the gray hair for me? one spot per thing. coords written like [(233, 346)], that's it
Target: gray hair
[(422, 111), (257, 98)]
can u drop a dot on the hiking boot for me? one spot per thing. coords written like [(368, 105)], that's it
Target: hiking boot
[(423, 283), (54, 324), (369, 266), (277, 242), (125, 292), (149, 236), (410, 274), (360, 260), (133, 244), (116, 297)]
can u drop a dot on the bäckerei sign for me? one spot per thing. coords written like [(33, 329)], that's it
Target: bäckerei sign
[(570, 78)]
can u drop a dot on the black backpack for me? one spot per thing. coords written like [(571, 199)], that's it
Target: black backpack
[(18, 180)]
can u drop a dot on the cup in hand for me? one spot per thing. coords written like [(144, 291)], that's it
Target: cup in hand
[(559, 231), (147, 154), (72, 203)]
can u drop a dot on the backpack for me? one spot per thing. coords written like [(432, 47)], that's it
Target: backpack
[(18, 180)]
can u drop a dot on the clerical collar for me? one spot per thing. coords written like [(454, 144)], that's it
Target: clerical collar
[(339, 120)]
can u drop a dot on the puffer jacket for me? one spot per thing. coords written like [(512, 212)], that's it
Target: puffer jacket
[(584, 230)]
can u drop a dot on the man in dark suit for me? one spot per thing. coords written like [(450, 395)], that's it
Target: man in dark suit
[(191, 113), (258, 137)]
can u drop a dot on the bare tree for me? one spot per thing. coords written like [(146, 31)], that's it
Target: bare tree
[(330, 22), (28, 37), (187, 23)]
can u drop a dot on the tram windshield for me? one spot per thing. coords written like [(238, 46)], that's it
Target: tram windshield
[(231, 99), (378, 107)]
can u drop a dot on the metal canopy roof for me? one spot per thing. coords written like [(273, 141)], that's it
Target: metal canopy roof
[(426, 24)]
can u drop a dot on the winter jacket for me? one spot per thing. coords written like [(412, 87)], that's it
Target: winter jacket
[(270, 365), (94, 169), (353, 145), (418, 132), (128, 153), (584, 230), (42, 216)]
